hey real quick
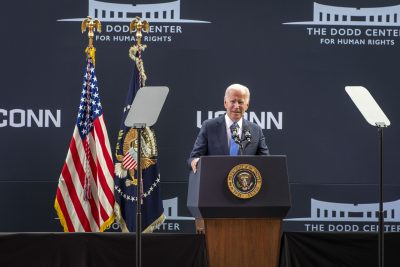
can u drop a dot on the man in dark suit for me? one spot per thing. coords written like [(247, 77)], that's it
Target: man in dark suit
[(220, 136)]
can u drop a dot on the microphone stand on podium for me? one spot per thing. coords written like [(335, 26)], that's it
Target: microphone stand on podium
[(236, 138), (143, 113), (374, 116)]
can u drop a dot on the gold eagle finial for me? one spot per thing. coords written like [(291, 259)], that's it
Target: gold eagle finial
[(91, 25), (139, 26)]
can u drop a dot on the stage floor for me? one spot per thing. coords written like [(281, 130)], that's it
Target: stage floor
[(100, 249), (180, 250), (337, 250)]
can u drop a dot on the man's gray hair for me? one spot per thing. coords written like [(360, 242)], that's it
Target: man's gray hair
[(238, 87)]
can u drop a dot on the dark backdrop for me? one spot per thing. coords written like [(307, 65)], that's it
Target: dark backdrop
[(296, 78)]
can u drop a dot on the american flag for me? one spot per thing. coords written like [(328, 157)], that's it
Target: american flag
[(85, 198)]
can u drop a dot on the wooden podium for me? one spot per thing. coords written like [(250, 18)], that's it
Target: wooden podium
[(240, 232)]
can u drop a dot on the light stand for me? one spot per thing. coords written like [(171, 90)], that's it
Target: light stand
[(374, 116)]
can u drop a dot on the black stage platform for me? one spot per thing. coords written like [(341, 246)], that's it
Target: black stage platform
[(180, 250), (337, 250), (100, 249)]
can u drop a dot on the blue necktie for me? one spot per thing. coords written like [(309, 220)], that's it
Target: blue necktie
[(234, 147)]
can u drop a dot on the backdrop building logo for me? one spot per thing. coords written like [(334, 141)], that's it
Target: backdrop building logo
[(163, 13), (338, 217), (361, 26), (174, 222)]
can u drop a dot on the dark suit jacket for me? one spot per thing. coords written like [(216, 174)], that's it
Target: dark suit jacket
[(212, 139)]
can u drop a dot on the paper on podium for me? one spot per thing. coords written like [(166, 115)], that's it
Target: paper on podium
[(367, 105), (146, 106)]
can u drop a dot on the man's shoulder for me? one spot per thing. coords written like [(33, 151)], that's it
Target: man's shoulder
[(251, 124), (213, 121)]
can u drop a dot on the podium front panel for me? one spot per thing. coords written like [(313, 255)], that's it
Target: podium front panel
[(209, 195)]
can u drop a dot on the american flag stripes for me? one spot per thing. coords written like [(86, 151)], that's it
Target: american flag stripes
[(85, 198), (129, 161)]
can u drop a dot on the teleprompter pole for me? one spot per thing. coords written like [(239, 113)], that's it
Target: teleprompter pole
[(381, 229), (139, 128)]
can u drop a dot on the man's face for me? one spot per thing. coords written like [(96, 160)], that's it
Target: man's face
[(235, 104)]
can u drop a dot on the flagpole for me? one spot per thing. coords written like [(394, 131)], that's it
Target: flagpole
[(139, 26)]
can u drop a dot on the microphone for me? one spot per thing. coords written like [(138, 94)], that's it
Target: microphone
[(247, 135), (235, 135)]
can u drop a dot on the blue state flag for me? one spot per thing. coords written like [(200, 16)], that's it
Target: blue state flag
[(125, 180)]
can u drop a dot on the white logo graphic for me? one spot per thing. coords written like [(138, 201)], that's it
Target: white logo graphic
[(334, 15), (344, 25), (330, 211), (265, 119), (114, 12), (18, 118), (342, 217), (171, 210), (171, 213)]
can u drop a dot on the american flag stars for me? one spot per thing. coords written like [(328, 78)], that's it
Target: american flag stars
[(145, 194), (90, 105)]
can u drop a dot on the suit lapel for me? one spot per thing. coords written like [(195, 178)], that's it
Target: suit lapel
[(222, 134), (245, 126)]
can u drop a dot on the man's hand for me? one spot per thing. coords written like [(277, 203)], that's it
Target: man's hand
[(194, 164)]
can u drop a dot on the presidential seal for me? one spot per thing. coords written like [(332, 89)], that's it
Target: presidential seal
[(244, 181), (148, 154)]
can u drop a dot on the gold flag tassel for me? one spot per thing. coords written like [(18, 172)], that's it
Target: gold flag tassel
[(91, 25), (135, 52)]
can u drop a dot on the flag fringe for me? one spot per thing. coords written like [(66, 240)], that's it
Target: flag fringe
[(107, 223), (119, 218), (61, 216), (155, 224), (103, 227), (117, 211)]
